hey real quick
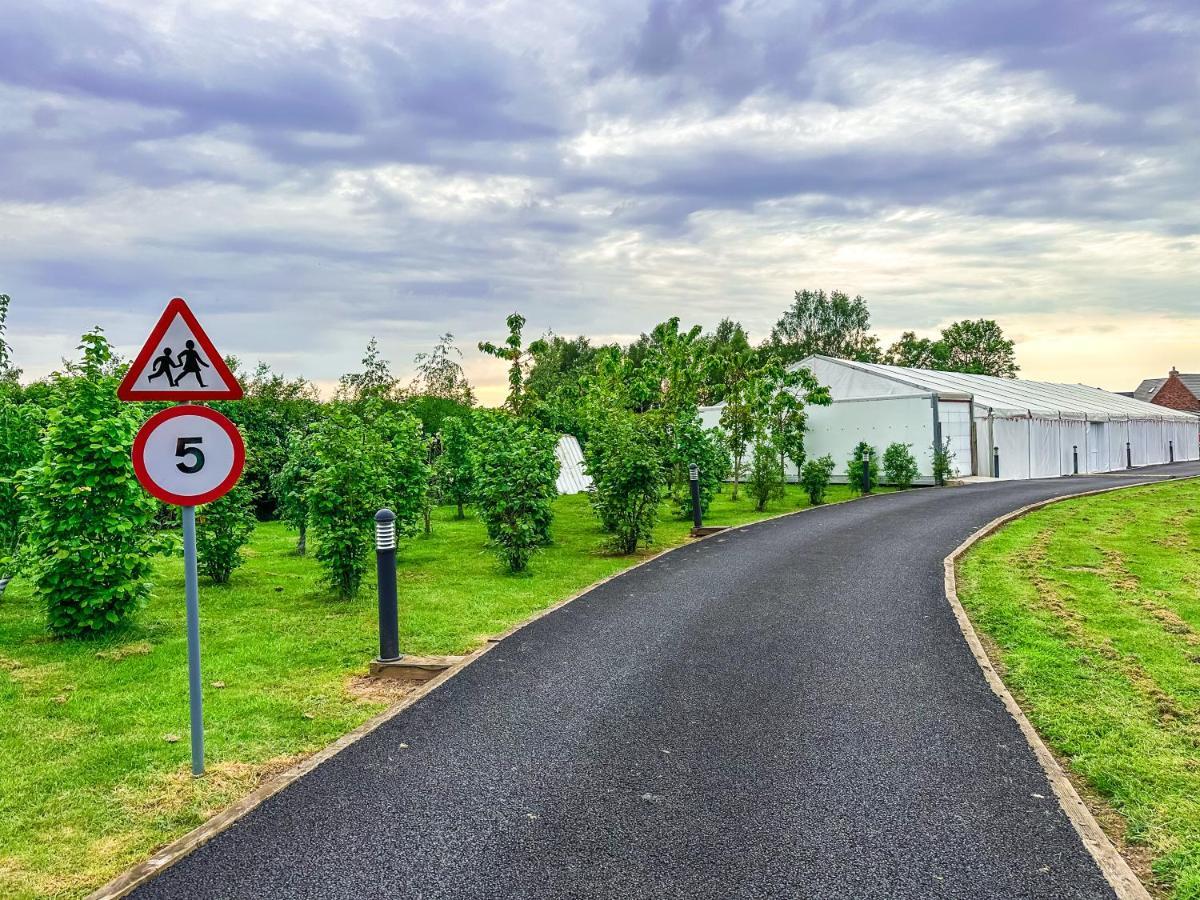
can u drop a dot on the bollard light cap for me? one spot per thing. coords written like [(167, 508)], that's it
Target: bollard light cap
[(385, 515)]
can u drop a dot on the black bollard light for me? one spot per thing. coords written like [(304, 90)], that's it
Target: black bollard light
[(1075, 458), (866, 472), (1171, 450), (385, 570), (995, 462), (694, 480), (1128, 456)]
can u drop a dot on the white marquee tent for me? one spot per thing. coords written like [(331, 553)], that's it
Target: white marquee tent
[(1028, 429)]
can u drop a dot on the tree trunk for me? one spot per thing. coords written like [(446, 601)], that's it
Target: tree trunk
[(461, 514), (302, 541), (428, 523)]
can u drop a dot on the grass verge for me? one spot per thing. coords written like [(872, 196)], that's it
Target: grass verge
[(1092, 608), (94, 768)]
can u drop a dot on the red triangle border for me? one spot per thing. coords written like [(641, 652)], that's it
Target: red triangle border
[(178, 306)]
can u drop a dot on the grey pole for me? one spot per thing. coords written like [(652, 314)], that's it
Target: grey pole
[(1171, 450), (1128, 456), (995, 462), (385, 571), (694, 480), (192, 591), (1075, 459)]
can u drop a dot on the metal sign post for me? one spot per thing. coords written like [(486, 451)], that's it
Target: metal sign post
[(191, 590)]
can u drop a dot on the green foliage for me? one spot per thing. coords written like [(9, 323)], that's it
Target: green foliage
[(374, 382), (90, 524), (899, 465), (20, 447), (8, 374), (515, 475), (766, 479), (455, 467), (627, 479), (350, 484), (293, 481), (440, 375), (855, 465), (976, 347), (829, 324), (511, 352), (406, 463), (691, 444), (814, 478), (943, 462), (223, 528)]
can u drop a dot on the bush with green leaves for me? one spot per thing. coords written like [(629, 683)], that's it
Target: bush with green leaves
[(627, 472), (899, 465), (20, 447), (223, 528), (292, 482), (406, 454), (515, 487), (456, 466), (350, 483), (766, 479), (855, 465), (692, 444), (943, 462), (814, 477), (90, 525)]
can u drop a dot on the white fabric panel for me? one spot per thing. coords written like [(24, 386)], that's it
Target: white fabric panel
[(983, 444), (1073, 433), (837, 428), (848, 382), (572, 476), (955, 419), (1097, 447), (1012, 437), (1045, 436)]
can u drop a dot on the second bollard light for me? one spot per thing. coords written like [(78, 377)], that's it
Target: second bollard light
[(385, 570)]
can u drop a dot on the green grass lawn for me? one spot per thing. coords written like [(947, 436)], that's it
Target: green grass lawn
[(94, 771), (1093, 606)]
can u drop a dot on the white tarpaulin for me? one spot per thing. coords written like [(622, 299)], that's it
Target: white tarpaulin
[(572, 476)]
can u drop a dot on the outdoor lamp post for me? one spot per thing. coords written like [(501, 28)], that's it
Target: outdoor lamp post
[(694, 481), (385, 570)]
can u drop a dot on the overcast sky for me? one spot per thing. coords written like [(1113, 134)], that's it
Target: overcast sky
[(309, 173)]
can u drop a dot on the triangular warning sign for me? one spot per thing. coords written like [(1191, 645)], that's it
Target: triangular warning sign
[(179, 362)]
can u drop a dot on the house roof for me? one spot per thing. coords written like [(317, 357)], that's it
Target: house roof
[(1148, 388), (1018, 396)]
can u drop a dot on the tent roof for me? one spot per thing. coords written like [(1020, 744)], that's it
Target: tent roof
[(1009, 396)]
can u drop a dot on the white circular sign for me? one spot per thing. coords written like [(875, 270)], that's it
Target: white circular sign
[(188, 455)]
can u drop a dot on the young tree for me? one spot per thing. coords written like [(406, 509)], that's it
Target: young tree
[(350, 484), (913, 352), (515, 486), (741, 417), (864, 456), (441, 375), (91, 535), (690, 444), (292, 483), (829, 324), (943, 462), (899, 465), (374, 382), (405, 464), (20, 436), (455, 466), (8, 374), (765, 482), (627, 479), (511, 352), (223, 528), (814, 477)]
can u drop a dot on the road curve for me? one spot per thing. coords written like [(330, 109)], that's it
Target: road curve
[(786, 710)]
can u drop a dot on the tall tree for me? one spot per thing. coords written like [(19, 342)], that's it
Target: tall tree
[(514, 355), (440, 374), (913, 352), (375, 381), (978, 347), (830, 324)]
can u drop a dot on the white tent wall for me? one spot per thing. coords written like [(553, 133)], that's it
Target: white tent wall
[(1073, 439), (836, 430), (1011, 437), (955, 419)]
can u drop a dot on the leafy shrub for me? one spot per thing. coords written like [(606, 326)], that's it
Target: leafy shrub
[(455, 466), (291, 484), (90, 524), (406, 463), (943, 462), (515, 486), (223, 528), (20, 447), (899, 465), (854, 468), (349, 485), (766, 479), (627, 479), (814, 477), (692, 444)]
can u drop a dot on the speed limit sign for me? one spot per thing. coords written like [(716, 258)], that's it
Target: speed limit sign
[(188, 455)]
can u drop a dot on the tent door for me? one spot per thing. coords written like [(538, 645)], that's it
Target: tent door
[(1096, 448)]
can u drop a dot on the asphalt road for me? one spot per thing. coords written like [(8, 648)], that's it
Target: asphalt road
[(787, 710)]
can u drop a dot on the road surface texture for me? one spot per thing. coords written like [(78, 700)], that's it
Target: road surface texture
[(786, 710)]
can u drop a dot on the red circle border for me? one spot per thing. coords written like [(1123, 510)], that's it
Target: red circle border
[(188, 409)]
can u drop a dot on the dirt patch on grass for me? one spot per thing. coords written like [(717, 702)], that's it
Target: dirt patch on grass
[(367, 689), (116, 654)]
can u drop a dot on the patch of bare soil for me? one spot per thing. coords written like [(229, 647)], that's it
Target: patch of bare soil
[(368, 689)]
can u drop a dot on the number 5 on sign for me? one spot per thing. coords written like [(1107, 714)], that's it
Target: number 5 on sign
[(188, 455)]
